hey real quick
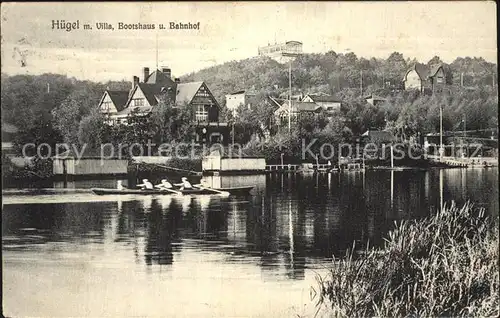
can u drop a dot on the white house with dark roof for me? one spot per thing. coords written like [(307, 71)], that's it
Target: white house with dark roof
[(296, 110), (242, 97), (424, 78), (143, 97), (327, 102), (113, 101)]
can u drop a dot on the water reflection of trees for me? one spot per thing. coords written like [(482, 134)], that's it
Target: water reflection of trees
[(281, 228), (162, 234)]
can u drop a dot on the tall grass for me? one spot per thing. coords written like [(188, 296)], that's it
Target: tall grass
[(443, 265)]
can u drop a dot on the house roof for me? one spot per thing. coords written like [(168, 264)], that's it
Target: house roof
[(150, 92), (246, 92), (119, 98), (323, 98), (435, 69), (237, 92), (301, 106), (375, 97), (186, 92), (276, 101), (421, 69)]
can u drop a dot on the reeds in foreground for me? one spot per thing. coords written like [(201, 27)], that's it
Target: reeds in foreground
[(443, 265)]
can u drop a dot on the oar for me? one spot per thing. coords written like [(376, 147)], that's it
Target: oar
[(225, 193), (171, 190)]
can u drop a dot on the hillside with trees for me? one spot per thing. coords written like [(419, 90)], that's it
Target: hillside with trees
[(334, 73), (53, 108)]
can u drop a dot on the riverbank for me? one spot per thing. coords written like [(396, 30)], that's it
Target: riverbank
[(443, 265)]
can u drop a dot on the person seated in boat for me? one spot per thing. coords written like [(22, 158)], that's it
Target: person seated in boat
[(164, 185), (185, 184), (146, 185), (119, 185)]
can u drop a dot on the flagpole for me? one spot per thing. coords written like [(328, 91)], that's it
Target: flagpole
[(290, 96)]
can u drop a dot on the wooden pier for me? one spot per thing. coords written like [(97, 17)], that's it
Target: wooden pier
[(283, 168), (456, 162), (300, 168)]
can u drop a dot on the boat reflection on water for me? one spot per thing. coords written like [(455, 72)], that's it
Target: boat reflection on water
[(203, 201), (185, 203), (147, 202), (165, 201)]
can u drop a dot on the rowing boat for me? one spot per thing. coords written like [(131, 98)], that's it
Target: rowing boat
[(194, 191)]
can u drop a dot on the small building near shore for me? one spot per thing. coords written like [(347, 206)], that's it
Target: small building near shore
[(70, 164), (232, 163), (8, 133)]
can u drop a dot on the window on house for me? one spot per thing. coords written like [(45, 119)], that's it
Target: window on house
[(440, 79), (106, 106), (203, 93), (136, 102), (201, 113)]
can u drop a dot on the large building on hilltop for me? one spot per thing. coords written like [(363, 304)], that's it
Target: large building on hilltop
[(281, 52), (118, 106)]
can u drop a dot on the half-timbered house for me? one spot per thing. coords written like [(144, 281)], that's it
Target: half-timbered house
[(118, 106)]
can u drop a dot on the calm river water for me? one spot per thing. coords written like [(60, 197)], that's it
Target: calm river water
[(255, 256)]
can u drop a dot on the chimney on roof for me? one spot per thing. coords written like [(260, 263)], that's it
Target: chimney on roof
[(177, 80), (166, 71), (135, 81), (146, 74)]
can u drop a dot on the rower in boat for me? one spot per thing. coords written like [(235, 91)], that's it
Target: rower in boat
[(164, 185), (185, 184), (146, 185), (119, 185)]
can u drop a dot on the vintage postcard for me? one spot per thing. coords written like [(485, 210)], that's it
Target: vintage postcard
[(249, 159)]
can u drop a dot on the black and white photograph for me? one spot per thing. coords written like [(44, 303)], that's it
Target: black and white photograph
[(250, 159)]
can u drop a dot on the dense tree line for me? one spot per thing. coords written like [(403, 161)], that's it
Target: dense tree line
[(54, 108)]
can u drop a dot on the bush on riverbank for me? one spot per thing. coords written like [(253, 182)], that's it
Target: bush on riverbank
[(36, 169), (444, 265)]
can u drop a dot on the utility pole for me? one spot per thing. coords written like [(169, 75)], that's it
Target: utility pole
[(441, 150), (462, 79), (290, 96), (465, 133), (233, 132), (361, 84), (290, 55), (465, 130)]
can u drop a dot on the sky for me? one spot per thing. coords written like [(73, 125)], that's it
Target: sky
[(233, 31)]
